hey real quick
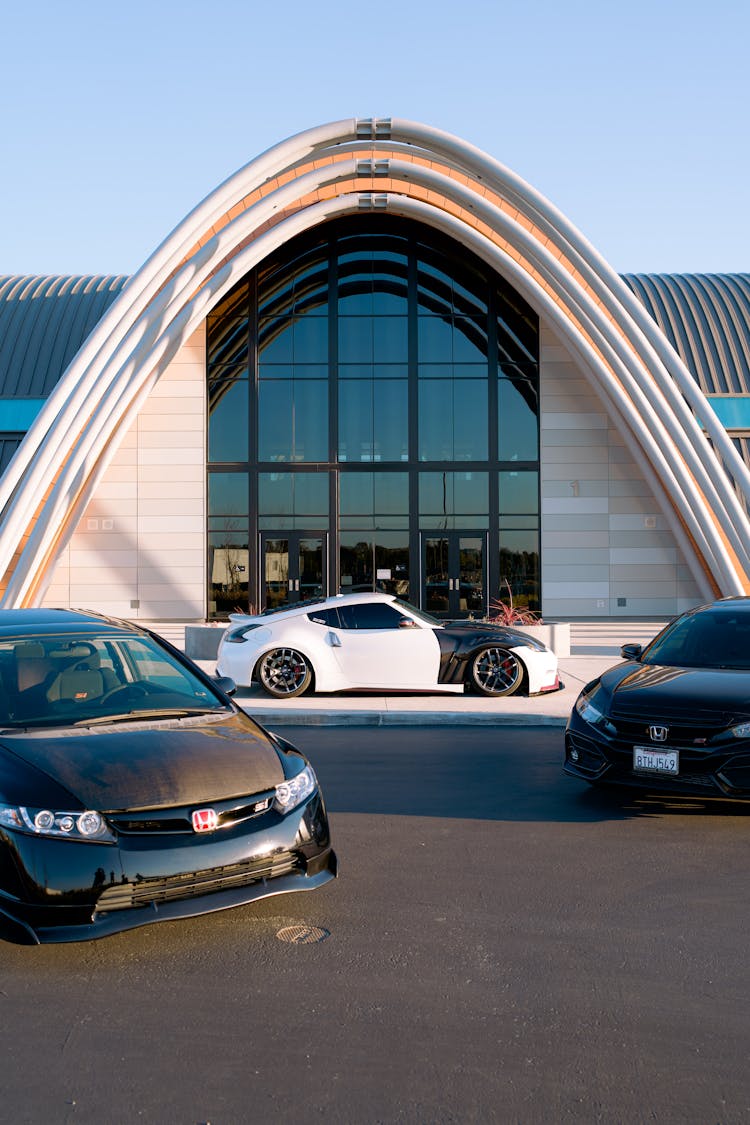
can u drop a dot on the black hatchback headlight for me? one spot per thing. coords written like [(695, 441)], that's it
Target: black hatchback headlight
[(591, 714)]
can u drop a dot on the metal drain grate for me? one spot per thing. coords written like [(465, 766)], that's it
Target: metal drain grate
[(302, 935)]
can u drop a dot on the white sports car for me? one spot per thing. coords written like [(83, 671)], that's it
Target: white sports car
[(376, 641)]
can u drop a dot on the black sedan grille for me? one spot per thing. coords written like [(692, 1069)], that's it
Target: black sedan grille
[(157, 821), (143, 892)]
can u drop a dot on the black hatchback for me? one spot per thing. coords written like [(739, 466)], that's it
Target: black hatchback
[(675, 716), (134, 790)]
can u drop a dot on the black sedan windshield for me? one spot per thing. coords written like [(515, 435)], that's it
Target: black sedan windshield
[(61, 680), (717, 638)]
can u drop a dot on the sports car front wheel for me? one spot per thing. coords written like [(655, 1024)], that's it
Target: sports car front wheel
[(284, 673), (495, 671)]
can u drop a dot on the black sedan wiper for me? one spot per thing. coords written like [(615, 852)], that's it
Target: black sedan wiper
[(146, 713)]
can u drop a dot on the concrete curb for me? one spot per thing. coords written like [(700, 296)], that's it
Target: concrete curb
[(399, 718)]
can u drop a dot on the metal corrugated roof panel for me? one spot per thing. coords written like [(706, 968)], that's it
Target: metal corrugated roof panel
[(43, 323), (45, 320), (706, 317)]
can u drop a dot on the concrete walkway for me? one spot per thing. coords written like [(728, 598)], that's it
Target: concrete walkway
[(595, 646)]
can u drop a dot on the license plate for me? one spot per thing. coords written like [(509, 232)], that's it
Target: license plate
[(648, 760)]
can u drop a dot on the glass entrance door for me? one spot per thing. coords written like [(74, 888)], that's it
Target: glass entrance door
[(454, 573), (293, 567)]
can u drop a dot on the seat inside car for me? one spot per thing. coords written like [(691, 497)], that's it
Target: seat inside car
[(82, 680)]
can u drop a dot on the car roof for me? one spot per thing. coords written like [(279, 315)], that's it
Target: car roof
[(306, 606), (20, 622)]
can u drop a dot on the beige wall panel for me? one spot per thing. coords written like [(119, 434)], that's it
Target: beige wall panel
[(599, 521), (192, 609), (613, 522), (163, 421), (125, 457), (193, 455), (581, 540), (578, 489), (168, 490), (165, 523), (180, 575), (107, 561), (572, 421), (155, 474), (107, 507), (576, 470), (106, 527), (115, 490), (127, 576), (180, 389), (173, 442), (170, 545), (153, 494), (574, 455)]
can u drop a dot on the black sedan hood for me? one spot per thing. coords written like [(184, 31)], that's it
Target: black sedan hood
[(654, 688), (161, 764)]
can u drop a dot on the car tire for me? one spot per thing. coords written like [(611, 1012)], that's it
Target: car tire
[(284, 673), (495, 672)]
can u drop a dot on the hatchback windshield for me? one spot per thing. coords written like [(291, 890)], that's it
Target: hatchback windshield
[(70, 679), (709, 639)]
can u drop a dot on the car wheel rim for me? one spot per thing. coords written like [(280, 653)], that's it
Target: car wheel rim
[(284, 671), (496, 670)]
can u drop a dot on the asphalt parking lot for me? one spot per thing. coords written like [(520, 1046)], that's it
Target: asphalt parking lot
[(503, 945)]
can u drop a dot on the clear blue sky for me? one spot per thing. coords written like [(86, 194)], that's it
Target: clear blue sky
[(117, 119)]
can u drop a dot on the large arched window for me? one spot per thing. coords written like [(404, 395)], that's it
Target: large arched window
[(373, 423)]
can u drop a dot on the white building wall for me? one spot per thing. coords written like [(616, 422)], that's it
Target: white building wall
[(606, 548), (139, 550)]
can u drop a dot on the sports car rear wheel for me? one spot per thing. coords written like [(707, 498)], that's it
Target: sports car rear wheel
[(284, 673), (495, 671)]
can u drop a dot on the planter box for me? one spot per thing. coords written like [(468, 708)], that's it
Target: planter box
[(555, 636), (202, 641)]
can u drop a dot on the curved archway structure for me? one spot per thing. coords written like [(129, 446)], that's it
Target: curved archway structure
[(422, 173)]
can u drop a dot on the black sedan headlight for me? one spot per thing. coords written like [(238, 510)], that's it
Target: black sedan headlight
[(295, 790), (87, 825)]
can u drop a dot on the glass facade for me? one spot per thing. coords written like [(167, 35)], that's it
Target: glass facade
[(373, 424)]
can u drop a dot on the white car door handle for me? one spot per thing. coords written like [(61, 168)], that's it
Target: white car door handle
[(334, 640)]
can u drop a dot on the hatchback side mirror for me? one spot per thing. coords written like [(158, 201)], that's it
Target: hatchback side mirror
[(631, 652)]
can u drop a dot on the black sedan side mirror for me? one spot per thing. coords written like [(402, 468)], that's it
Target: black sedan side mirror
[(225, 684), (631, 652)]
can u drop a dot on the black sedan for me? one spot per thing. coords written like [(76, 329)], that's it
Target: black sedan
[(132, 788), (675, 717)]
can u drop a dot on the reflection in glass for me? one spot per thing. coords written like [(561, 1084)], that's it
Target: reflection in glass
[(453, 420), (448, 500), (518, 422), (228, 566), (293, 499), (293, 420), (228, 494), (519, 492), (377, 561), (276, 572), (436, 574), (227, 421), (519, 566)]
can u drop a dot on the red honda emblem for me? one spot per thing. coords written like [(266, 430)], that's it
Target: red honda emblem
[(205, 820)]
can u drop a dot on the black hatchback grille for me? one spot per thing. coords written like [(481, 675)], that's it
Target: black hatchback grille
[(197, 883), (703, 726)]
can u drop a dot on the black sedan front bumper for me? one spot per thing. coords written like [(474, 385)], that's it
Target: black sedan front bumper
[(62, 891), (714, 771)]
